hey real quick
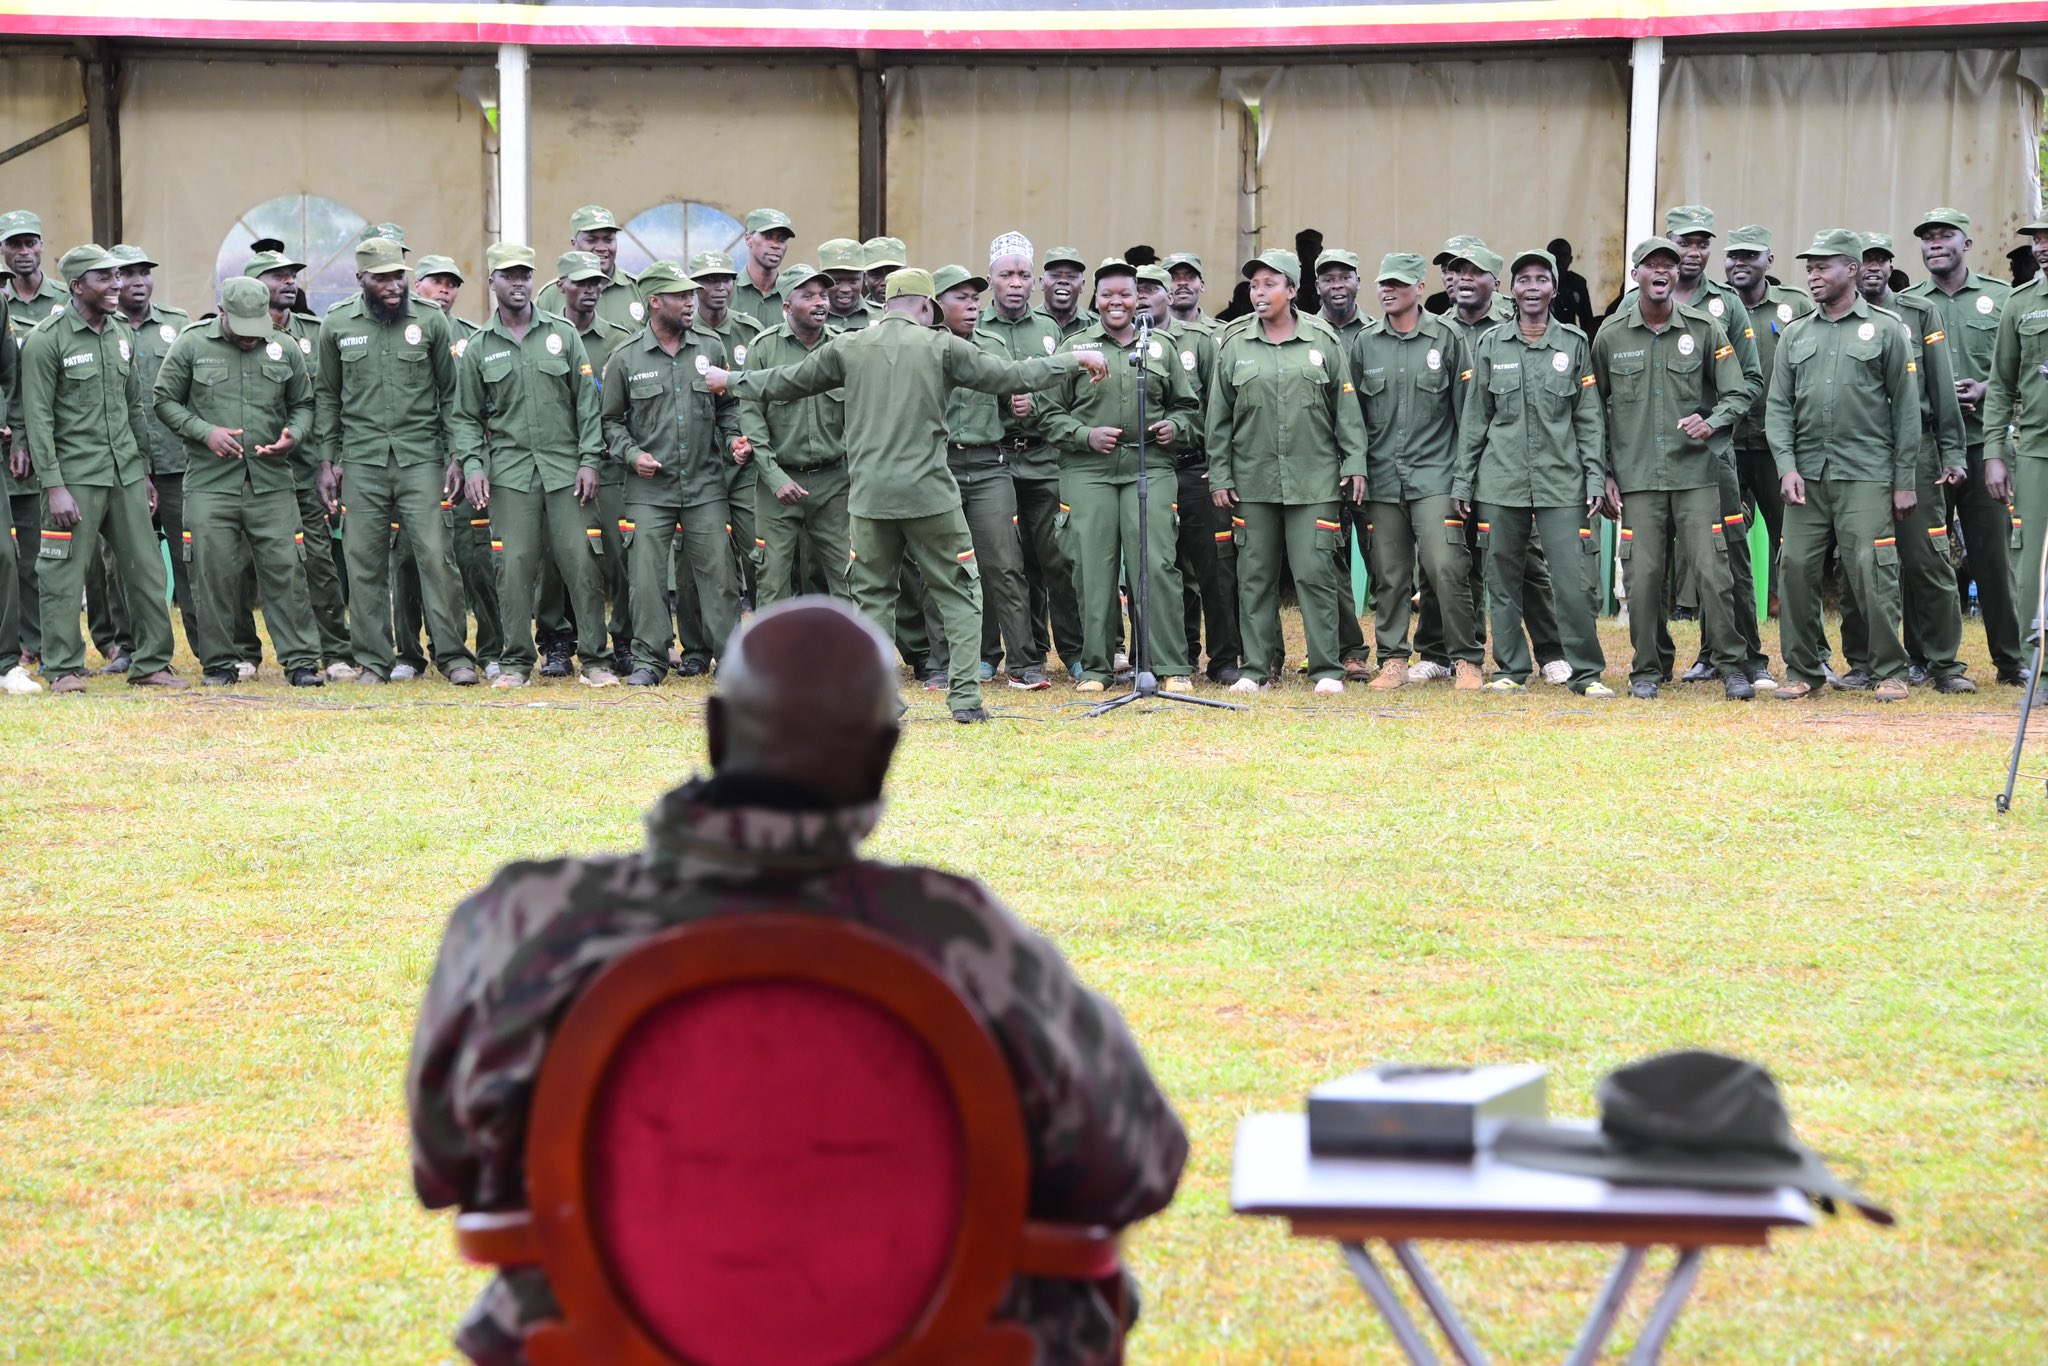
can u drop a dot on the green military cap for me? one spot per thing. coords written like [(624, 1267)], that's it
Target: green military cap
[(1834, 242), (843, 253), (1115, 265), (1878, 242), (379, 256), (1687, 218), (1754, 238), (768, 220), (1458, 248), (390, 232), (884, 253), (592, 218), (952, 277), (908, 283), (1481, 256), (1942, 218), (1334, 256), (1184, 258), (579, 265), (1275, 258), (263, 262), (1548, 261), (1402, 268), (1065, 256), (20, 223), (129, 255), (706, 264), (77, 261), (445, 265), (2040, 224), (1155, 275), (1641, 251), (790, 277), (500, 256), (665, 277), (247, 306)]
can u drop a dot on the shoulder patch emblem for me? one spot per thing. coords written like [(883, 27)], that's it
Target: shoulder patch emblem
[(413, 334), (1560, 362), (1784, 313), (703, 363), (637, 309), (461, 345), (1434, 360), (168, 333), (127, 353), (1187, 361), (1935, 337), (1686, 345), (554, 343), (1049, 344), (739, 354), (274, 351), (1716, 307), (1985, 305), (1866, 332), (1315, 358), (305, 346)]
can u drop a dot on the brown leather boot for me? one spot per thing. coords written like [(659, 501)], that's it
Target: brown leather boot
[(162, 678), (1393, 674), (1467, 676)]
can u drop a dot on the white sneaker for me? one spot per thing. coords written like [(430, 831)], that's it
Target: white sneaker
[(505, 680), (1427, 671), (1245, 684), (1557, 672), (244, 670), (16, 682), (1597, 689), (1327, 686), (1121, 662), (403, 673), (493, 669), (1763, 682), (338, 672)]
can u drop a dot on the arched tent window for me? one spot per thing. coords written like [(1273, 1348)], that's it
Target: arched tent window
[(320, 232), (676, 231)]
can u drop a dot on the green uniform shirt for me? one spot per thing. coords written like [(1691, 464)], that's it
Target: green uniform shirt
[(1530, 433), (660, 404), (1721, 303), (153, 338), (207, 381), (1969, 317), (618, 303), (1649, 379), (1942, 442), (382, 391), (795, 435), (1035, 334), (1347, 330), (2016, 405), (83, 397), (973, 418), (764, 309), (1171, 395), (1843, 401), (1781, 307), (737, 330), (50, 298), (530, 406), (303, 331), (898, 376), (10, 377), (1283, 422), (1408, 389), (1501, 310), (1082, 320), (600, 339), (1198, 323), (862, 316), (1191, 448)]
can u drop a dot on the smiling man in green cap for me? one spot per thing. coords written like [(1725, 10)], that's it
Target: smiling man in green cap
[(1969, 304), (32, 296), (1337, 287), (84, 404), (2016, 427), (767, 239), (384, 380), (1843, 419), (593, 229), (1746, 264), (525, 425), (239, 396), (1405, 365), (880, 257), (843, 262), (904, 505), (664, 422), (1061, 281)]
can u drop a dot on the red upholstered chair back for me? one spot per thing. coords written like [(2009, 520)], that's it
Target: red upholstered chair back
[(775, 1138)]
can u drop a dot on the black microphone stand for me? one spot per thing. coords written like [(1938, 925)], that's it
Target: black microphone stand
[(1144, 684)]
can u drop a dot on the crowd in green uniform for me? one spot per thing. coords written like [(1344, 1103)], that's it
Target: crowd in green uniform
[(603, 477)]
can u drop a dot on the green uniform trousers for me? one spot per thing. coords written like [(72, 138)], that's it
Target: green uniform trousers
[(1741, 574), (1427, 532), (1654, 522), (469, 534), (1855, 515), (1539, 610), (1930, 611), (551, 620), (120, 517), (172, 520), (1207, 556), (812, 530), (1048, 574), (231, 534), (740, 482), (1350, 630), (1758, 474), (529, 529), (106, 605), (323, 579), (1304, 537), (1574, 558), (942, 549), (26, 514), (989, 504), (2030, 490), (410, 495), (706, 550), (1987, 541), (1102, 534), (10, 599)]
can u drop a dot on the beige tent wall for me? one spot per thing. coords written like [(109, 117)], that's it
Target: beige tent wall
[(1865, 140), (1097, 158), (202, 142), (736, 136), (1387, 157), (55, 180)]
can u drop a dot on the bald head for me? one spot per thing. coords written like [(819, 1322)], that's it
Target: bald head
[(807, 694)]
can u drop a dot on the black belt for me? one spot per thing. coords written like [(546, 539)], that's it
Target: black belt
[(1017, 445), (811, 469), (959, 449)]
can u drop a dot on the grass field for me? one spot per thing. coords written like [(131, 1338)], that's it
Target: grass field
[(220, 910)]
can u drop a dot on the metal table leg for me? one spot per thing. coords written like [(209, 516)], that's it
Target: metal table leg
[(1606, 1309), (1368, 1273), (1462, 1341), (1650, 1347)]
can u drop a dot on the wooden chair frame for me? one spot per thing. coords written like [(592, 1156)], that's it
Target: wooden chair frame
[(994, 1242)]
